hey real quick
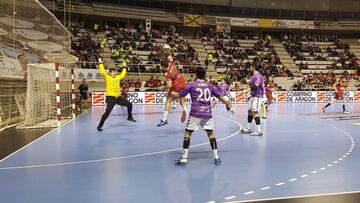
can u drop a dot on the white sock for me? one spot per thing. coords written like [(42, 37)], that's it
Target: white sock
[(215, 152), (185, 153), (258, 127), (248, 125), (165, 115)]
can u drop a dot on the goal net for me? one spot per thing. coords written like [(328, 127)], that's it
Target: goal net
[(50, 95), (29, 34)]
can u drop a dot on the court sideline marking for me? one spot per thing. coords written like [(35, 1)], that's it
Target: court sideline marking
[(353, 143)]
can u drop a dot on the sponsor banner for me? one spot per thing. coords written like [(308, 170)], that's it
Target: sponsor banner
[(240, 97), (45, 46), (88, 74), (281, 96), (251, 22), (244, 22), (357, 96), (98, 98), (31, 34), (60, 58), (219, 19), (301, 96), (237, 22), (236, 97), (137, 97), (267, 23), (307, 24), (286, 23)]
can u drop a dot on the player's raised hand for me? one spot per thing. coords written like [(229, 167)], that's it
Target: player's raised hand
[(100, 60)]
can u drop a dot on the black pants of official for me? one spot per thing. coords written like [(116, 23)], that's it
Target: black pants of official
[(110, 103)]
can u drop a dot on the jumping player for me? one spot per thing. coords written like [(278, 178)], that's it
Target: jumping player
[(256, 97), (113, 97), (175, 83), (201, 92), (339, 88)]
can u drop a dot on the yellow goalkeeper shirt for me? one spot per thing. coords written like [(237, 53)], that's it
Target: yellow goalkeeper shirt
[(112, 84)]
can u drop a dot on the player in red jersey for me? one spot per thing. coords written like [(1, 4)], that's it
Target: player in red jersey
[(268, 98), (339, 87), (175, 83)]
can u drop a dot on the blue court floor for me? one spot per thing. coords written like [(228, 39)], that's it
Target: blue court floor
[(303, 152)]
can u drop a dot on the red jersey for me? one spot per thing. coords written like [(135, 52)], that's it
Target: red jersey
[(268, 91), (339, 90), (178, 80)]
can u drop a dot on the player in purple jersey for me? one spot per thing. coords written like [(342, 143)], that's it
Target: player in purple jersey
[(256, 97), (223, 89), (201, 92)]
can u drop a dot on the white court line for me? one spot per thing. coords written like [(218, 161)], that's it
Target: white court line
[(125, 157), (314, 172), (295, 197), (210, 202), (230, 197), (280, 184), (292, 180), (265, 188), (304, 176), (323, 168), (249, 193), (46, 134)]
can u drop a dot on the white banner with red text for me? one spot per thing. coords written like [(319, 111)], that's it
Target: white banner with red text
[(98, 98)]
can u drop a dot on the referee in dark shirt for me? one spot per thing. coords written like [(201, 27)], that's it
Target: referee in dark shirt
[(83, 90)]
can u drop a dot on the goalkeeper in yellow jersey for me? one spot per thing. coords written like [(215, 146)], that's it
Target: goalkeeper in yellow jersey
[(113, 96)]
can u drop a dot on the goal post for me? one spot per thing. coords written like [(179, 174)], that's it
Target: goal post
[(50, 98)]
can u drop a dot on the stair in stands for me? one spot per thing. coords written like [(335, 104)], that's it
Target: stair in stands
[(285, 57)]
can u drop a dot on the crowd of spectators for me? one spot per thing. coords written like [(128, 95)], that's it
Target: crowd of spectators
[(128, 40), (84, 47), (237, 59), (304, 47), (321, 80)]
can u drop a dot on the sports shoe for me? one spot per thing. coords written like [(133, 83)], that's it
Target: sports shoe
[(183, 116), (130, 118), (181, 162), (257, 133), (99, 129), (264, 117), (346, 112), (162, 123), (246, 130), (217, 161)]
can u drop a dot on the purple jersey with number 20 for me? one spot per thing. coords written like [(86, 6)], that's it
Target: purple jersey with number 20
[(201, 92)]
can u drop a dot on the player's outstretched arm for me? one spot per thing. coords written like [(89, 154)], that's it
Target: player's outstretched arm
[(123, 72), (227, 103), (101, 67)]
